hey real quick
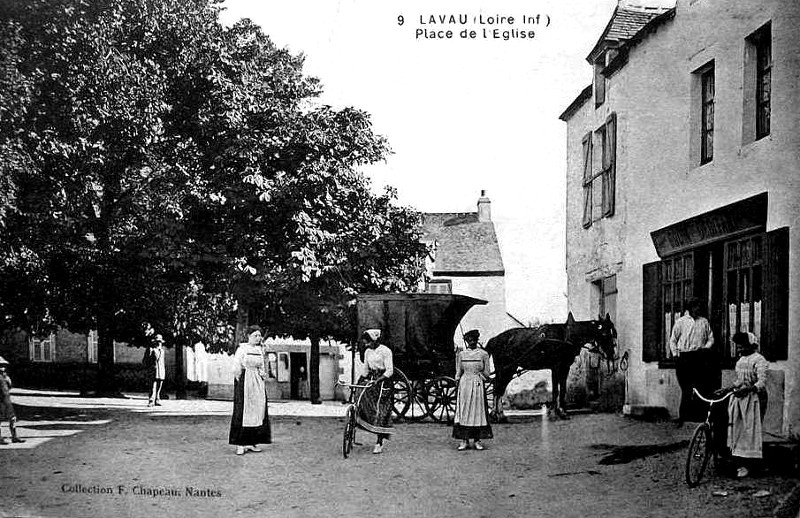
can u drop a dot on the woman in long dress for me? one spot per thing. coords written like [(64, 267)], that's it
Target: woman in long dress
[(250, 421), (749, 403), (472, 413), (375, 408)]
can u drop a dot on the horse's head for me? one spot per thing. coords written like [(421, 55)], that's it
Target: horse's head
[(606, 340), (600, 333)]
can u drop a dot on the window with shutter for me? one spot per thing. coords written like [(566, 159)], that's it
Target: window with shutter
[(774, 328), (599, 172), (587, 180), (42, 349), (609, 165)]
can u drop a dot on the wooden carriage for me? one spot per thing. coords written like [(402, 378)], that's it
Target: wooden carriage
[(419, 328)]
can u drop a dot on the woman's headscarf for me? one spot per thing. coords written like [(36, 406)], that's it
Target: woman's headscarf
[(373, 334), (753, 339)]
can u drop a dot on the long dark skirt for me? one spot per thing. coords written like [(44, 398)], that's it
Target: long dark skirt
[(375, 407), (247, 435)]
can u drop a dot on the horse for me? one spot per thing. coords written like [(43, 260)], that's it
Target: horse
[(550, 346)]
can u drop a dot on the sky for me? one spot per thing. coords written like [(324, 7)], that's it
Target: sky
[(461, 115)]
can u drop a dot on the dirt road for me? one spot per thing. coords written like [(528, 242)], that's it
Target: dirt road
[(119, 462)]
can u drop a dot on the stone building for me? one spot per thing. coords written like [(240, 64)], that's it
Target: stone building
[(682, 180)]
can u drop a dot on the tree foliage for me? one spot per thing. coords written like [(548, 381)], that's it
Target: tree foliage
[(156, 166)]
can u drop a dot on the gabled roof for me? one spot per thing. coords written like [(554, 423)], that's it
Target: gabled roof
[(575, 105), (625, 23), (464, 245)]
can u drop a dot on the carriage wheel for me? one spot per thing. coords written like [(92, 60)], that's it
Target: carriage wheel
[(418, 408), (403, 393), (349, 431), (441, 399)]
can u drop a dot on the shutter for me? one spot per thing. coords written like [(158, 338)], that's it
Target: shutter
[(775, 336), (652, 343), (587, 180), (610, 165)]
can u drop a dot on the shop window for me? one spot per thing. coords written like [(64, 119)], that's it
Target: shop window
[(743, 289), (743, 281), (42, 349)]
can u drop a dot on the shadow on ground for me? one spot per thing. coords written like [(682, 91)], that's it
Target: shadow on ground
[(627, 453)]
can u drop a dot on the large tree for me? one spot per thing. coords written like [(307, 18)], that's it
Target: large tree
[(158, 164)]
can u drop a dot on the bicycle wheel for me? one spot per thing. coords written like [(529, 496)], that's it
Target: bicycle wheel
[(699, 454), (349, 431)]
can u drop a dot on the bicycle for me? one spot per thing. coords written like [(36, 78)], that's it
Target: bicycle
[(352, 421), (702, 446)]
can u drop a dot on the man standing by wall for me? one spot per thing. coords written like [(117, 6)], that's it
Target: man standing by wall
[(691, 343)]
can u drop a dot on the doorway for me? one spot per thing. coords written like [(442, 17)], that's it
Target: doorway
[(298, 375)]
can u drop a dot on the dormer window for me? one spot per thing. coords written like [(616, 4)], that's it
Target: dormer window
[(599, 81)]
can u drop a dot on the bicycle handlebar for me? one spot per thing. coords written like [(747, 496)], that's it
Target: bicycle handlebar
[(353, 385), (712, 401)]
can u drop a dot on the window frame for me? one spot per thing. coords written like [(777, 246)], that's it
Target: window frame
[(599, 81), (744, 264), (707, 104), (587, 145), (50, 347), (762, 41), (92, 342), (440, 282), (601, 177)]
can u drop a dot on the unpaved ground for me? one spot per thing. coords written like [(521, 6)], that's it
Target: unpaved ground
[(592, 465)]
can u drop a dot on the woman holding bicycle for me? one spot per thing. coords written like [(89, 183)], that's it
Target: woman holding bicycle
[(746, 409), (375, 410)]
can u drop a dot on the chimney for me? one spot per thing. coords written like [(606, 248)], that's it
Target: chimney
[(484, 208)]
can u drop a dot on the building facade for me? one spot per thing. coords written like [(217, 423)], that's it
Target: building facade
[(287, 365), (682, 180)]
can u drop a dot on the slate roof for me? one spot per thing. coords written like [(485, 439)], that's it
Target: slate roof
[(465, 246), (625, 23)]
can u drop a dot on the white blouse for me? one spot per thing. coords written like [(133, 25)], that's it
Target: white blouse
[(379, 359)]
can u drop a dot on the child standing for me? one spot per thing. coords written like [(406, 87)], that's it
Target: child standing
[(6, 408)]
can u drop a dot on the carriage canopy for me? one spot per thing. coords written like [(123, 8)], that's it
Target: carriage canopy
[(418, 327)]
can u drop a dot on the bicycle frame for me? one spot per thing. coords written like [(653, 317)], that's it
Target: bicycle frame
[(702, 446)]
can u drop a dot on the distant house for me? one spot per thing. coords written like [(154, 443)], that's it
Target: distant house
[(65, 360), (465, 259)]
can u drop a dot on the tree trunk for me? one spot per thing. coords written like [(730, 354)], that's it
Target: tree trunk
[(313, 377), (106, 383), (180, 374)]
